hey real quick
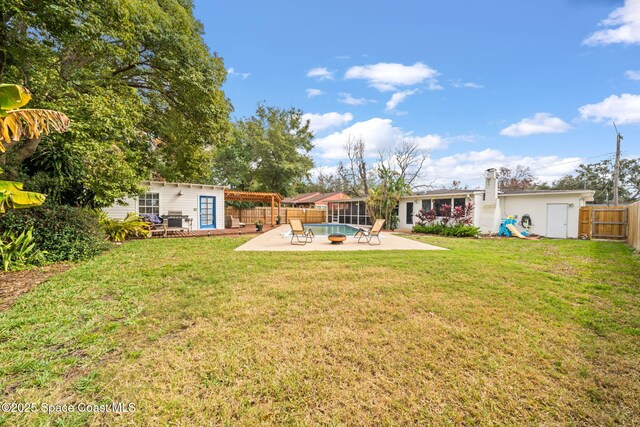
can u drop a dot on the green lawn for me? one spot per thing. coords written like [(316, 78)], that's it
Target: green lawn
[(193, 333)]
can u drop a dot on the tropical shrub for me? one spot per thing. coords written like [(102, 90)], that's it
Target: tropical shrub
[(461, 230), (120, 230), (454, 222), (382, 200), (429, 229), (66, 233), (13, 197), (19, 251)]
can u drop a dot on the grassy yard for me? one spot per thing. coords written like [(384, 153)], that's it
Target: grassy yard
[(193, 333)]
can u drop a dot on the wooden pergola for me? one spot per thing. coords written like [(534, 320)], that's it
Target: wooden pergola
[(251, 196)]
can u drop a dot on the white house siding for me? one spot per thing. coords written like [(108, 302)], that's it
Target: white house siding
[(490, 206), (535, 205), (417, 205), (487, 215), (188, 202)]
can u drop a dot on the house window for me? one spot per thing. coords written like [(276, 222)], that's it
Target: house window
[(426, 205), (409, 212), (438, 203), (459, 202), (149, 204)]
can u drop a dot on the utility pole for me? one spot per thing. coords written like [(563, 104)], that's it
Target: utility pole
[(616, 168)]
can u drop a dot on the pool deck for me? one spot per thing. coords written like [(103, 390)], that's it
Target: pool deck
[(273, 240)]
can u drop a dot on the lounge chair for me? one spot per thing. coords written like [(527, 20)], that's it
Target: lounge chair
[(298, 232), (370, 234), (231, 222)]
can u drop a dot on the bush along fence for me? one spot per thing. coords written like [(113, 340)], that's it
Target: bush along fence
[(447, 221), (49, 233), (251, 215)]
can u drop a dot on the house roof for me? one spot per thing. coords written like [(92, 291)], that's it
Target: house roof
[(185, 184), (502, 193), (520, 192), (310, 197), (297, 197), (443, 192)]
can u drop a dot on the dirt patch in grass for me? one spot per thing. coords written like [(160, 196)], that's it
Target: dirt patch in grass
[(15, 283)]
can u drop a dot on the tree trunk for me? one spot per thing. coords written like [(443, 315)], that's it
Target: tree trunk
[(16, 154), (23, 151)]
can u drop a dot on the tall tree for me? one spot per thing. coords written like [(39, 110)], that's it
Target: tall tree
[(325, 182), (519, 178), (356, 173), (599, 177), (406, 159), (136, 79), (384, 196), (269, 152)]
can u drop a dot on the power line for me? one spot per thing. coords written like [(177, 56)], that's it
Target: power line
[(572, 161)]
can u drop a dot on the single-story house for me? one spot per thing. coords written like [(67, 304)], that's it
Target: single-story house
[(201, 205), (553, 213), (314, 200)]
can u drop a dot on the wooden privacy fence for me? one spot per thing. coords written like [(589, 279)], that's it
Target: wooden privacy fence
[(603, 222), (249, 216), (634, 225), (611, 222)]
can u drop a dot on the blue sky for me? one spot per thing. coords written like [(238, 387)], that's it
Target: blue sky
[(477, 84)]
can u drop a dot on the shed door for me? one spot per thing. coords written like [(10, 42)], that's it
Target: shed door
[(207, 212), (557, 219)]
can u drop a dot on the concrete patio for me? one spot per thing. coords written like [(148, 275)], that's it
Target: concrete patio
[(274, 240)]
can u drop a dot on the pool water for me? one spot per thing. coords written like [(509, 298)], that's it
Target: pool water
[(326, 229)]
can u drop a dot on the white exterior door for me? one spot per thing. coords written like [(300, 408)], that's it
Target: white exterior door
[(557, 220)]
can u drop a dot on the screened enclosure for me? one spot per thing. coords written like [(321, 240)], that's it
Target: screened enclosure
[(351, 212)]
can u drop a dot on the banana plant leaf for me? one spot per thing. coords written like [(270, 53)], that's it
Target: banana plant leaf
[(13, 197), (17, 123)]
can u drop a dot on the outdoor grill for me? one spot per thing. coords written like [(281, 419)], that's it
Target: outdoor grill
[(175, 221)]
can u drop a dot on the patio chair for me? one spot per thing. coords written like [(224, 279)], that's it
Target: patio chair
[(370, 234), (156, 224), (231, 222), (298, 232)]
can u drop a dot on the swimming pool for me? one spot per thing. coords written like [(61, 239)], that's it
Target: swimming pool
[(326, 229)]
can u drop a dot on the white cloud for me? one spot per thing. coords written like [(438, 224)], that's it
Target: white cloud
[(434, 85), (314, 92), (232, 72), (622, 26), (621, 109), (632, 74), (378, 134), (320, 73), (538, 123), (398, 97), (469, 167), (346, 98), (389, 76), (320, 122), (466, 85), (326, 170), (342, 57)]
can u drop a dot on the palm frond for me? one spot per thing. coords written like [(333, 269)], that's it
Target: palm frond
[(30, 123)]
